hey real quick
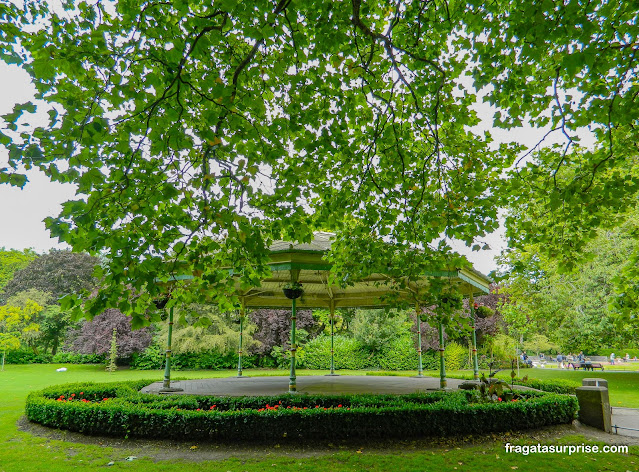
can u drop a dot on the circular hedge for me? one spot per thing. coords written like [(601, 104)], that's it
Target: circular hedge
[(118, 409)]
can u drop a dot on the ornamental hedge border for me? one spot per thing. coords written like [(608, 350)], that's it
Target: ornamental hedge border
[(118, 409)]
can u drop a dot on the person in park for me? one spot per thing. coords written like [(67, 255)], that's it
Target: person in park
[(524, 358), (612, 358), (580, 357), (560, 360)]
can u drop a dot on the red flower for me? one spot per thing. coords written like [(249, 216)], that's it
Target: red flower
[(498, 399)]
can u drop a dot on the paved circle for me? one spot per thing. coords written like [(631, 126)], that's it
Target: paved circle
[(312, 384)]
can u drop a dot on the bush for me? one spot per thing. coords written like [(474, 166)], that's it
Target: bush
[(119, 410), (400, 354), (456, 356), (349, 353), (561, 386), (26, 357), (153, 358), (77, 358)]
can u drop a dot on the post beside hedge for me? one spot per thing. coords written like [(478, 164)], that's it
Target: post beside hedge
[(120, 410)]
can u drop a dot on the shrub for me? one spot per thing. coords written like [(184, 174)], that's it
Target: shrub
[(117, 409), (153, 358), (26, 357), (561, 386), (77, 358), (349, 353), (456, 356), (400, 354)]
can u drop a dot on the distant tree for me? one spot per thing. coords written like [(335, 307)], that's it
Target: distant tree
[(59, 273), (94, 337), (113, 352), (53, 324), (8, 342), (12, 260), (274, 327), (21, 323)]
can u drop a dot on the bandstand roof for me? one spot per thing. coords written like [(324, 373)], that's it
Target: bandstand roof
[(306, 264)]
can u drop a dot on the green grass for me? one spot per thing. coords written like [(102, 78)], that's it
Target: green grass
[(623, 386), (21, 451)]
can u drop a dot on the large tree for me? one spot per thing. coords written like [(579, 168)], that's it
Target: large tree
[(197, 132), (58, 273), (579, 310), (95, 336)]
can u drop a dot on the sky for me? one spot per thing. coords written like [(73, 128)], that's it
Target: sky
[(22, 211)]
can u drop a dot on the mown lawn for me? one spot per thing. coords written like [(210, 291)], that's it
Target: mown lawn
[(623, 386), (20, 451)]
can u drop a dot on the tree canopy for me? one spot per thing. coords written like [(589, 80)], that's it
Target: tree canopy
[(581, 310), (197, 132), (58, 273), (12, 260)]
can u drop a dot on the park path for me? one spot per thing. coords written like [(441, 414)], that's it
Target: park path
[(626, 421)]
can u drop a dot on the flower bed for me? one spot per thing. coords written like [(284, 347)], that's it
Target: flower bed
[(118, 409)]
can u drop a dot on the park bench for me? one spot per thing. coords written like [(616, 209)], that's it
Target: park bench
[(587, 365)]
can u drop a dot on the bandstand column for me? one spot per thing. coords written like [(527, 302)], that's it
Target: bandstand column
[(442, 363), (332, 313), (239, 351), (166, 385), (292, 383), (420, 368), (471, 303)]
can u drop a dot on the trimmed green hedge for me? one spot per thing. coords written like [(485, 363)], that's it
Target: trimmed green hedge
[(561, 386), (77, 358), (349, 353), (118, 409)]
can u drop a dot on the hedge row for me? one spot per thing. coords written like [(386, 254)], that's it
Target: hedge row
[(154, 357), (26, 357), (561, 386), (29, 357), (399, 354), (119, 410)]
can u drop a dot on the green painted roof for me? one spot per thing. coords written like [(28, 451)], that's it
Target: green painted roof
[(305, 263)]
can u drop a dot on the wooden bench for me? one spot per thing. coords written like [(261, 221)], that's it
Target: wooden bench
[(586, 365)]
